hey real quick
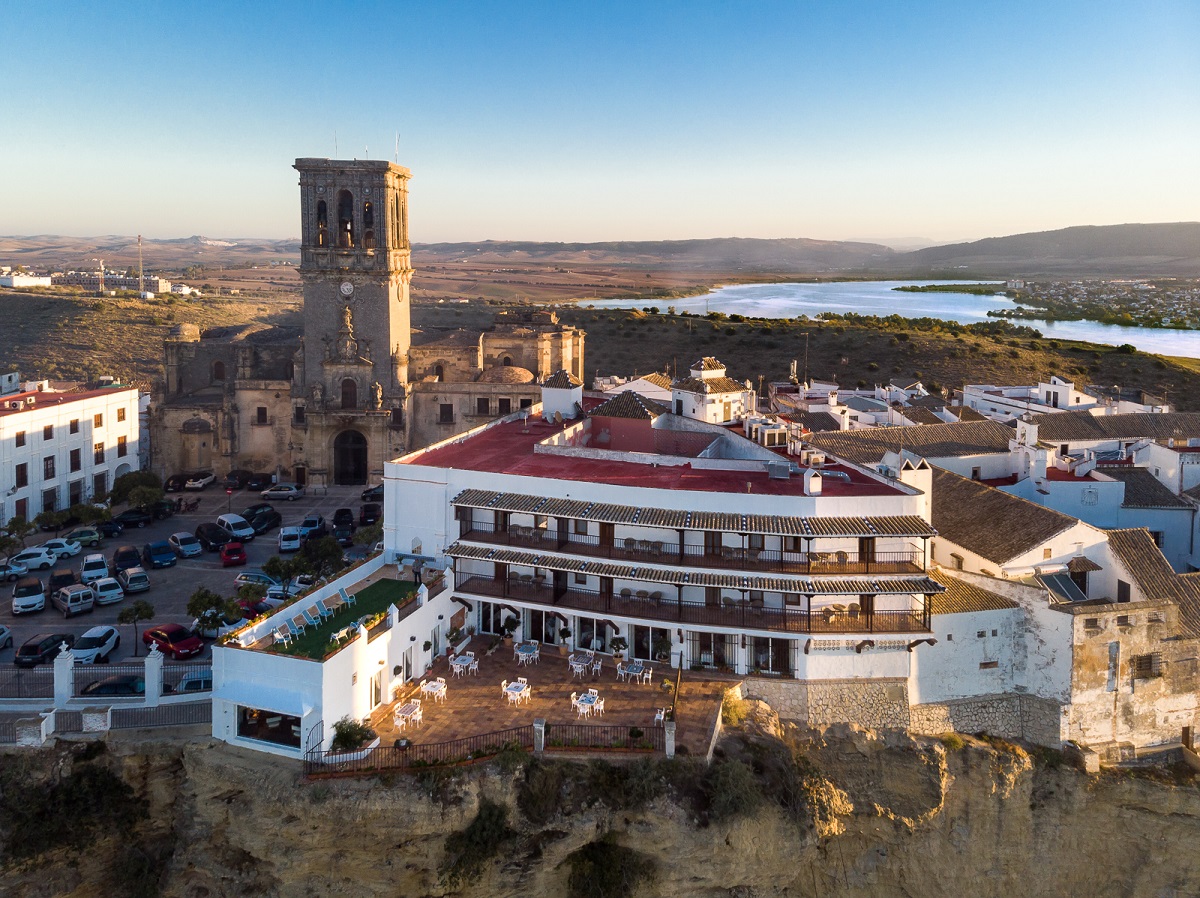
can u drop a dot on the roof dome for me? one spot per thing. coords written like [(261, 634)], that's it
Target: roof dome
[(506, 374)]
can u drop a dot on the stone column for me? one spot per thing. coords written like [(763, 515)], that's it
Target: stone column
[(539, 736), (669, 732), (154, 676), (64, 677)]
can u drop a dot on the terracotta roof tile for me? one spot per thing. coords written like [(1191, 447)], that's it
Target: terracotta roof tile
[(968, 414), (709, 385), (562, 380), (813, 421), (988, 522), (1142, 490), (708, 363), (1066, 426), (1142, 560), (919, 415), (931, 441), (961, 597), (1189, 604), (629, 404)]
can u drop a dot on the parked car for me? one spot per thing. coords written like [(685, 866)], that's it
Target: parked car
[(96, 645), (289, 539), (133, 579), (60, 577), (63, 548), (252, 609), (312, 527), (110, 528), (42, 649), (293, 587), (288, 491), (38, 558), (373, 493), (28, 595), (160, 510), (236, 526), (175, 640), (354, 554), (185, 545), (223, 626), (158, 554), (211, 537), (133, 517), (108, 591), (12, 570), (94, 567), (174, 483), (344, 534), (265, 521), (199, 480), (259, 481), (233, 553), (85, 536), (195, 681), (237, 479), (370, 513), (125, 556), (121, 684), (54, 525), (256, 577), (255, 510), (343, 516), (6, 638), (74, 599)]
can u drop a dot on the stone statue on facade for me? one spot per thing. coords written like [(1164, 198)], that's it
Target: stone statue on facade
[(376, 395), (318, 394)]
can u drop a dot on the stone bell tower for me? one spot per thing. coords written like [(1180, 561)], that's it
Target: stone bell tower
[(351, 380)]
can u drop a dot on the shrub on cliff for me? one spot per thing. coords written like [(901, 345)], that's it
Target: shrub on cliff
[(607, 869), (730, 789), (469, 850)]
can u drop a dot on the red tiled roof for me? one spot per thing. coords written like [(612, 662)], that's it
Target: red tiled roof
[(48, 400)]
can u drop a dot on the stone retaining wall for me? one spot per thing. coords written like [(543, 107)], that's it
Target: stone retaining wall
[(1008, 716)]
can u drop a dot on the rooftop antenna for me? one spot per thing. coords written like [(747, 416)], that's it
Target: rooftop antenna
[(397, 147), (366, 152), (806, 358), (335, 152)]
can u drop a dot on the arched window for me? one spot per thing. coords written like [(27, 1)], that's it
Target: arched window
[(345, 214), (218, 370), (508, 361), (349, 393), (395, 221), (439, 372), (322, 224), (368, 226), (289, 371)]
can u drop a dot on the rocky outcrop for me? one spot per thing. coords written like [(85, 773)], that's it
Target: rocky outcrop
[(864, 814)]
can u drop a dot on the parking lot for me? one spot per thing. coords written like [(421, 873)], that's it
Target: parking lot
[(170, 587)]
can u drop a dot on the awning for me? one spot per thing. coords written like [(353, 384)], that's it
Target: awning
[(264, 698)]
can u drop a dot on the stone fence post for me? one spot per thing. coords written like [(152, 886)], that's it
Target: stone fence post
[(64, 677), (539, 735), (669, 733), (154, 676)]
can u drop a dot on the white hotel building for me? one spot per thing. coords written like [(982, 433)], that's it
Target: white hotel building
[(60, 449), (672, 533)]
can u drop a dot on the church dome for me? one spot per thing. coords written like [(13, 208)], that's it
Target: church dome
[(506, 374)]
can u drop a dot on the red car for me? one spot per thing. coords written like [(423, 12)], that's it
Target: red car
[(174, 640), (232, 553)]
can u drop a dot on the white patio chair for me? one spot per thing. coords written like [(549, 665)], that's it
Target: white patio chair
[(578, 670), (522, 659), (322, 609), (595, 692), (648, 675), (399, 721), (621, 672), (419, 717), (421, 685), (514, 698), (474, 667), (442, 680), (527, 695), (458, 669), (504, 687), (599, 707), (574, 699), (584, 710), (660, 715), (522, 681), (283, 636), (596, 666)]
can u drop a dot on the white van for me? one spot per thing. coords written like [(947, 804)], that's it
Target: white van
[(75, 599), (94, 567), (236, 526)]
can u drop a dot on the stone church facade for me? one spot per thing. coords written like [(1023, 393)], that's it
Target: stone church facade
[(331, 401)]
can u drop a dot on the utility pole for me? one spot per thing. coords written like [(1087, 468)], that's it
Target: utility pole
[(141, 280)]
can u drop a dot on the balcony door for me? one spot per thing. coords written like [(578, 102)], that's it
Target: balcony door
[(607, 536)]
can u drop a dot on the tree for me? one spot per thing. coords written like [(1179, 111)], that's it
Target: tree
[(144, 496), (133, 614), (8, 545), (369, 535), (285, 569), (50, 520), (124, 484), (20, 529), (322, 557), (209, 608)]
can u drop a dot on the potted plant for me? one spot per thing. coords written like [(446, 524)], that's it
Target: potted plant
[(662, 648), (510, 626), (619, 645), (564, 647), (352, 740)]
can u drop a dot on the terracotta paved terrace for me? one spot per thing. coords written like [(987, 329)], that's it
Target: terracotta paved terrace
[(474, 705)]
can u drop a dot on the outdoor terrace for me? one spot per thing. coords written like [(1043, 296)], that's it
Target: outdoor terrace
[(730, 613), (907, 561), (475, 706)]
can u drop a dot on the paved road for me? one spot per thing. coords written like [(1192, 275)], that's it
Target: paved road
[(170, 587)]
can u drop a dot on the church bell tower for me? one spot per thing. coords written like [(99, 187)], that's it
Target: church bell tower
[(351, 378)]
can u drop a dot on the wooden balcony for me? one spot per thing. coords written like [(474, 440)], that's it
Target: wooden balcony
[(670, 610), (909, 561)]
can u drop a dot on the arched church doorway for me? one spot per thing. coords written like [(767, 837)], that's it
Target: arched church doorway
[(349, 458)]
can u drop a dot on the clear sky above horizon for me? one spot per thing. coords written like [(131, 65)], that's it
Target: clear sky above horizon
[(568, 121)]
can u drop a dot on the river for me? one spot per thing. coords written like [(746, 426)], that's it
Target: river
[(878, 298)]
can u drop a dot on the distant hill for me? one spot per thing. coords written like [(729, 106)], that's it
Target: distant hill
[(724, 254), (1128, 249), (45, 251)]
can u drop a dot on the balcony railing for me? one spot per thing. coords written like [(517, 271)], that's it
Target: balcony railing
[(738, 615), (910, 561)]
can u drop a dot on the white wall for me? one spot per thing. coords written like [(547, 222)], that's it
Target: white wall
[(951, 669)]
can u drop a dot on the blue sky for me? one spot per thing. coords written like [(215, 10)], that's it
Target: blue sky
[(606, 121)]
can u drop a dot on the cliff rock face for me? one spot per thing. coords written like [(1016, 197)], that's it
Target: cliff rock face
[(882, 816)]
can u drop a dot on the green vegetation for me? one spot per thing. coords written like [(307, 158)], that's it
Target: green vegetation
[(731, 790), (469, 850), (370, 605), (350, 735), (134, 613), (952, 741), (68, 811), (734, 710), (209, 608), (607, 869), (973, 289), (123, 487)]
